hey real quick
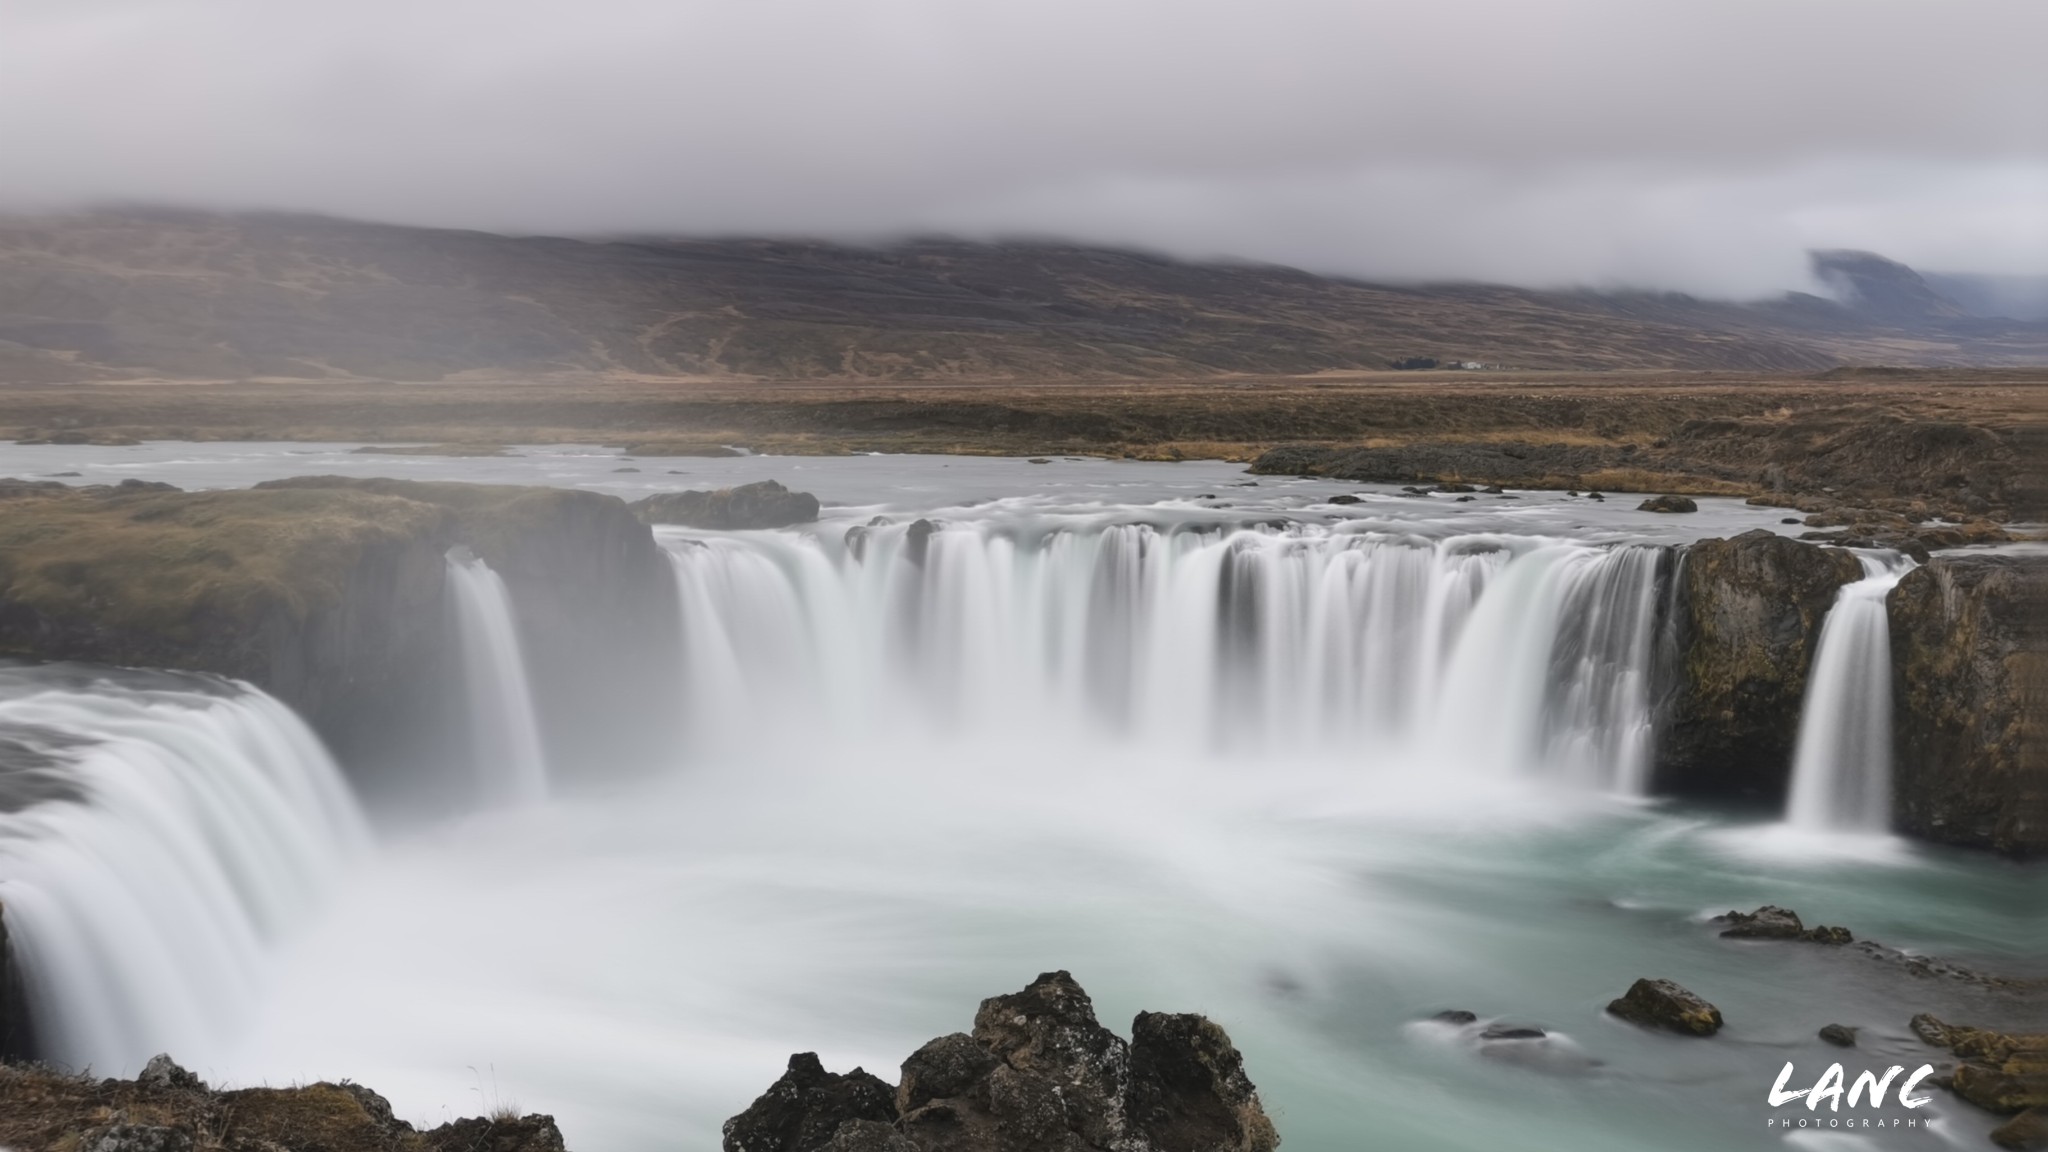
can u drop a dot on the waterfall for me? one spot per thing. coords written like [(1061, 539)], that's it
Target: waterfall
[(1842, 764), (159, 834), (1353, 645), (511, 767)]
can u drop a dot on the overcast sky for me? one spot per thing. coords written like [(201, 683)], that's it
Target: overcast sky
[(1701, 144)]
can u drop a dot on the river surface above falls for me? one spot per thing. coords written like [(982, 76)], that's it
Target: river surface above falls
[(641, 961)]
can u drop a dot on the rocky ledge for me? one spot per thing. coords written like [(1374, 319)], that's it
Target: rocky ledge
[(1037, 1074), (330, 593), (1969, 672), (167, 1109)]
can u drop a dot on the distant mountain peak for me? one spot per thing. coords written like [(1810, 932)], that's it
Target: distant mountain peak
[(1880, 288)]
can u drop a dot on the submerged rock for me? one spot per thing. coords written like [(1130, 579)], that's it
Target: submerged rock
[(2026, 1132), (1769, 922), (762, 504), (1840, 1035), (1969, 638), (2000, 1072), (1668, 504), (1667, 1005), (1038, 1074)]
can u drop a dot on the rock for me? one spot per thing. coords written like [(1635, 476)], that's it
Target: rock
[(2026, 1132), (948, 1066), (1049, 1030), (139, 1138), (2000, 1072), (507, 1134), (1344, 499), (1456, 1016), (1840, 1035), (1038, 460), (163, 1072), (1507, 1032), (762, 504), (1668, 504), (802, 1111), (1748, 618), (869, 1136), (1769, 922), (1824, 934), (1493, 490), (917, 540), (1453, 486), (1188, 1091), (1038, 1074), (1664, 1004), (1968, 637)]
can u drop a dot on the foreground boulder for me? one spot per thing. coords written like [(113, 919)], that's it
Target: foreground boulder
[(1748, 621), (2000, 1072), (1038, 1074), (168, 1109), (1969, 641), (763, 504), (1667, 1005)]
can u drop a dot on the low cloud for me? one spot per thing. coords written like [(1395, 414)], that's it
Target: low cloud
[(1697, 146)]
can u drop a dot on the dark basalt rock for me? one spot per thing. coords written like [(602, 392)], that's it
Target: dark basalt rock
[(803, 1110), (1509, 1032), (506, 1134), (1344, 499), (1456, 1016), (1188, 1089), (1769, 922), (1840, 1035), (1668, 504), (762, 504), (1667, 1005), (1038, 1074), (1748, 618), (1969, 638)]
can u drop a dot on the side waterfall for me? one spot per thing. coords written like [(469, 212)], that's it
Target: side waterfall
[(1509, 654), (511, 766), (1842, 764), (158, 834)]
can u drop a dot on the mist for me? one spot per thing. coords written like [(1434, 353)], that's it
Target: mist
[(1597, 142)]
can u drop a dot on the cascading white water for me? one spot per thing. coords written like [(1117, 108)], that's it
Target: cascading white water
[(511, 764), (158, 836), (1508, 654), (1842, 764)]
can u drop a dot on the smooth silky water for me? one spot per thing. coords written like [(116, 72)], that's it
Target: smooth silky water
[(1317, 779)]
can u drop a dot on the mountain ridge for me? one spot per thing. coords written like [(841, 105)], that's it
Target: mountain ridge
[(164, 294)]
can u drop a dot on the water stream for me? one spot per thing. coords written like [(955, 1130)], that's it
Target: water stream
[(1318, 771)]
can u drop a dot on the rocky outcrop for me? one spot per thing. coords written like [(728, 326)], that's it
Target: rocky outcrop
[(1999, 1072), (168, 1109), (1771, 922), (329, 593), (1037, 1073), (1669, 504), (1747, 620), (1969, 668), (763, 504), (1667, 1005)]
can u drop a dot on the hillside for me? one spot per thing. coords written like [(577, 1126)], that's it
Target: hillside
[(163, 295)]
